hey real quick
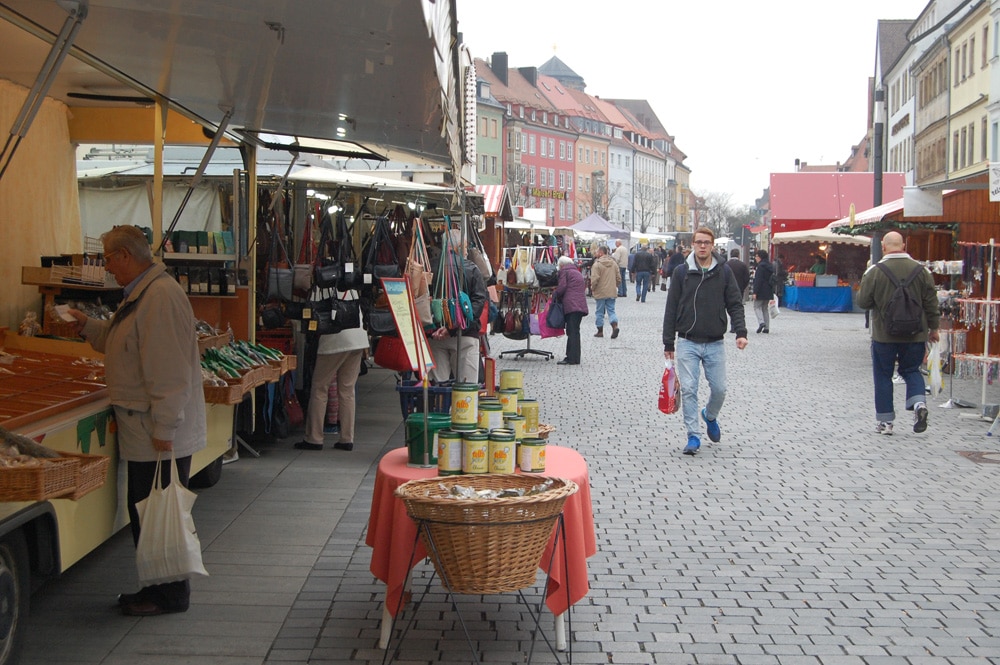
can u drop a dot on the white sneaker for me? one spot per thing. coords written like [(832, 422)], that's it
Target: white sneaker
[(884, 428)]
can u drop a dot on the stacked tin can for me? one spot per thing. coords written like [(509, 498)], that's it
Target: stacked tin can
[(492, 434)]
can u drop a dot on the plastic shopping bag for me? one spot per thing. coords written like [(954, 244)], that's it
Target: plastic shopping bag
[(934, 369), (168, 549), (772, 308), (670, 394)]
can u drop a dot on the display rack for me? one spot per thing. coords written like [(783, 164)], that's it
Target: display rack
[(981, 313), (526, 295)]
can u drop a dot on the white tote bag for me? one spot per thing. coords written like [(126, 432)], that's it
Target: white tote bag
[(168, 548)]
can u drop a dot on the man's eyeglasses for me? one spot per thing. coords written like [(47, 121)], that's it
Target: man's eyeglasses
[(702, 242)]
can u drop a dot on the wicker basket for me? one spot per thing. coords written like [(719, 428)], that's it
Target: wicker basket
[(50, 478), (92, 473), (485, 546)]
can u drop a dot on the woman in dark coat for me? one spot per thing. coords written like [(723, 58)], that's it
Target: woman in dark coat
[(763, 291), (572, 292)]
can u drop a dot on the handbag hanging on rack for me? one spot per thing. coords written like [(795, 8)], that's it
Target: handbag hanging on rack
[(328, 270)]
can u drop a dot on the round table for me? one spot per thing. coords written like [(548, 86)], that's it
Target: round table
[(392, 534)]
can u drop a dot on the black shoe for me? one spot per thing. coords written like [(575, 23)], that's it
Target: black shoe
[(759, 328), (344, 446), (305, 445), (766, 330), (637, 298), (566, 362)]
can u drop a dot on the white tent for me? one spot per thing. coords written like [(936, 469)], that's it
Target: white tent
[(823, 235)]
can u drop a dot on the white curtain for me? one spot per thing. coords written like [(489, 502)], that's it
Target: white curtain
[(103, 208)]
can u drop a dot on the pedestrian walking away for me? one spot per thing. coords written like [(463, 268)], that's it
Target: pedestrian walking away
[(620, 255), (645, 264), (572, 292), (763, 291), (890, 289), (703, 292), (740, 271)]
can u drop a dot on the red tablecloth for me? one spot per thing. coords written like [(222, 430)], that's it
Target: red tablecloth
[(391, 532)]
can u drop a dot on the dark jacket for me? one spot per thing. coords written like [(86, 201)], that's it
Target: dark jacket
[(741, 272), (763, 286), (698, 302), (645, 262), (675, 260), (572, 290), (876, 289)]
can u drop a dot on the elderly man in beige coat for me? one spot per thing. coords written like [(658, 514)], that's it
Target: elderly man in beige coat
[(152, 366)]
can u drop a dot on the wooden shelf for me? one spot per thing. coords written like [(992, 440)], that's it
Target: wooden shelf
[(37, 276), (177, 256)]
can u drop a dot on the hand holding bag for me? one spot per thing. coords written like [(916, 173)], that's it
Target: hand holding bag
[(168, 549)]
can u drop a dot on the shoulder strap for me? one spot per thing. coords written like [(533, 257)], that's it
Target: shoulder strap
[(892, 278), (913, 275)]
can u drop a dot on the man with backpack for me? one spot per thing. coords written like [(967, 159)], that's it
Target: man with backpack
[(905, 314)]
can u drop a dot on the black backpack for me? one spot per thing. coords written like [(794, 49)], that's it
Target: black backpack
[(904, 313)]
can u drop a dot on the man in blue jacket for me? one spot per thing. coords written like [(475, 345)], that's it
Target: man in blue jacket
[(702, 292)]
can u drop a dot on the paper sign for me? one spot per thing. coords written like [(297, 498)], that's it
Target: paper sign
[(411, 331)]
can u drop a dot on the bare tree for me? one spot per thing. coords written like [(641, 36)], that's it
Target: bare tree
[(517, 181), (717, 211), (649, 198)]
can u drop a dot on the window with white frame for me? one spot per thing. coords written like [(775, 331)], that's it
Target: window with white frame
[(531, 176), (552, 177), (493, 165), (531, 144), (543, 179), (552, 148), (541, 146), (562, 180)]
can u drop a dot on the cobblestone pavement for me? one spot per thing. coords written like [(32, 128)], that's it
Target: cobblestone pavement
[(802, 538)]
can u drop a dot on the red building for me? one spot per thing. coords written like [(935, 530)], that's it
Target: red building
[(807, 200)]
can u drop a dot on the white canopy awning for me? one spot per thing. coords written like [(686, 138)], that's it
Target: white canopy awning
[(321, 176), (823, 235)]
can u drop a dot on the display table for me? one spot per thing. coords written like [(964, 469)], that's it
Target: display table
[(818, 298), (391, 532)]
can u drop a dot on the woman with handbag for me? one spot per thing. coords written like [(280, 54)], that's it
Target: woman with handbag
[(572, 292), (338, 356)]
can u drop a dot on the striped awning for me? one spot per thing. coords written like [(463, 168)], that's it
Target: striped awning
[(496, 201)]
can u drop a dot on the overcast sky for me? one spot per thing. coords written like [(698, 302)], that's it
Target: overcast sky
[(744, 87)]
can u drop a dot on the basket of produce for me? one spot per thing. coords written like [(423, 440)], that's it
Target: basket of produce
[(32, 472), (485, 533), (91, 473)]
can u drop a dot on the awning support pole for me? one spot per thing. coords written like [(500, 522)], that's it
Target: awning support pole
[(196, 178), (46, 76)]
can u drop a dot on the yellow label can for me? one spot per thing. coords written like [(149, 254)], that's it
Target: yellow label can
[(531, 455), (464, 405), (490, 415), (475, 452), (449, 452), (529, 409), (508, 399), (512, 379), (503, 450), (515, 423)]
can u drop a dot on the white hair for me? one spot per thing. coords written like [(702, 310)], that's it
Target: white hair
[(564, 261)]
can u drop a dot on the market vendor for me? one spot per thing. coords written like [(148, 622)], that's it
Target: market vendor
[(819, 266), (153, 371)]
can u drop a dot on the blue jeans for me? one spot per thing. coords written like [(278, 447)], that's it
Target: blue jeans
[(602, 305), (689, 356), (885, 356), (642, 285), (621, 287)]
